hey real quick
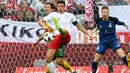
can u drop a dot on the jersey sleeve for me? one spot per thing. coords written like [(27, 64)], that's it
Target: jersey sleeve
[(118, 22), (74, 20), (48, 18)]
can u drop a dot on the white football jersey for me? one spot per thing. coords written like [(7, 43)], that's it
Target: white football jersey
[(65, 20)]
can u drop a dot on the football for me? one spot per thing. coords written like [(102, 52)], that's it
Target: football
[(48, 37)]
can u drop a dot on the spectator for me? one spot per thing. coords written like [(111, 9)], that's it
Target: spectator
[(1, 11), (3, 1), (128, 2), (117, 2), (80, 4), (102, 3), (26, 13), (11, 14), (41, 12), (40, 5), (12, 2), (35, 4)]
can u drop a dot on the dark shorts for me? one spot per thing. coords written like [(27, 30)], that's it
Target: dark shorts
[(114, 45)]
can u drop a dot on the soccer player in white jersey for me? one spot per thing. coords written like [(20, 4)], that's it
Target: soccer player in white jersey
[(49, 7), (60, 22)]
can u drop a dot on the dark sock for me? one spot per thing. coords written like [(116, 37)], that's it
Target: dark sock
[(124, 60), (94, 67)]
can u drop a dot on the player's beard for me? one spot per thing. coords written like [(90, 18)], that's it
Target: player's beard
[(105, 17)]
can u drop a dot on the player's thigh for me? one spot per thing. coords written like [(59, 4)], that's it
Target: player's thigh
[(97, 57), (115, 45), (50, 55), (60, 55), (66, 39), (120, 52), (101, 49), (56, 43)]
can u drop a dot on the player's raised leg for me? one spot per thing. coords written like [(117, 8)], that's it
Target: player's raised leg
[(65, 38), (63, 32)]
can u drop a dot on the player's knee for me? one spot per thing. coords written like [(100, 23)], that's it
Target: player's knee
[(66, 31), (59, 61), (97, 57), (48, 60)]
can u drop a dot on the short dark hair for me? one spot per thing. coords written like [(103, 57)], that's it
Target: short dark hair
[(51, 4), (61, 2), (105, 7)]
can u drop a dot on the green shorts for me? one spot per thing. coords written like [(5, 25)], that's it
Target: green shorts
[(60, 52)]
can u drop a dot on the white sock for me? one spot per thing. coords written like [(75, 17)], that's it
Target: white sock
[(51, 67)]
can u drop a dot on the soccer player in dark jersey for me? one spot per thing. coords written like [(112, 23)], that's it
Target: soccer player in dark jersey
[(107, 38)]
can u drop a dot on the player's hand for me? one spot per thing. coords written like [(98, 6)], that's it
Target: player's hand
[(126, 25), (33, 45), (90, 37), (47, 29), (95, 30)]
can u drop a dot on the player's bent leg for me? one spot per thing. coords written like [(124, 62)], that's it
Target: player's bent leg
[(121, 54), (118, 50), (50, 55), (128, 59), (50, 64), (64, 32), (61, 30), (60, 59), (95, 62), (64, 64)]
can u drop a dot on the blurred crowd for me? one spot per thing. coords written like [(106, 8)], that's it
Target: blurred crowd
[(113, 2), (33, 10)]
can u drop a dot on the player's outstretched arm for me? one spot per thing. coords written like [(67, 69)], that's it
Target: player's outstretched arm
[(41, 37), (122, 23), (95, 30), (81, 28), (43, 23)]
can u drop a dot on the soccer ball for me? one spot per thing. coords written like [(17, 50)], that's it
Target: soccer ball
[(48, 37)]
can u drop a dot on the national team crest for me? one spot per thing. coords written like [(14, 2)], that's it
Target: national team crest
[(110, 25)]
